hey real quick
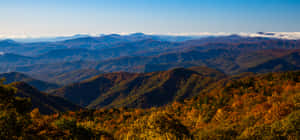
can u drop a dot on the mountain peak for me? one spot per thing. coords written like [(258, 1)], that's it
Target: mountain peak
[(114, 35), (137, 34), (9, 41)]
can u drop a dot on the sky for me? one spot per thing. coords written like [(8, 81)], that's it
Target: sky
[(34, 18)]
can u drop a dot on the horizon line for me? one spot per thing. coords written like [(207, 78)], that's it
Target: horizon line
[(285, 35)]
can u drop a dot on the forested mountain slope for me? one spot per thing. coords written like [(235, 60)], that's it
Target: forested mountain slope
[(19, 77), (139, 89), (249, 106), (47, 104)]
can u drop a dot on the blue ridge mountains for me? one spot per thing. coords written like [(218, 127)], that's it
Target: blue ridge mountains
[(146, 53), (135, 70)]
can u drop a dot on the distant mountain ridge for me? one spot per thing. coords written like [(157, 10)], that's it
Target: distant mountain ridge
[(143, 53), (228, 61), (80, 41), (49, 39)]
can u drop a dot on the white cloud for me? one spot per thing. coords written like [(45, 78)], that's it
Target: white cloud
[(281, 35)]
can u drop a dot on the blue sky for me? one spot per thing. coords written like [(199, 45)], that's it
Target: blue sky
[(66, 17)]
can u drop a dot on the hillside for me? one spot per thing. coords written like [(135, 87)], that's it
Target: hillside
[(73, 76), (19, 77), (48, 71), (154, 89), (249, 106), (138, 89), (10, 61), (70, 54), (47, 104), (287, 62), (83, 93)]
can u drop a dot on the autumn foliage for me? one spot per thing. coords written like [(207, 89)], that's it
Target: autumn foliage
[(261, 106)]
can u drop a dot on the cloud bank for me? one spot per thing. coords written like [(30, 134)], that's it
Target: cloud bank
[(280, 35)]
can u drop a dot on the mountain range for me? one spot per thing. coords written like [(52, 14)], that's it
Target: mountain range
[(146, 53), (72, 61), (145, 86)]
